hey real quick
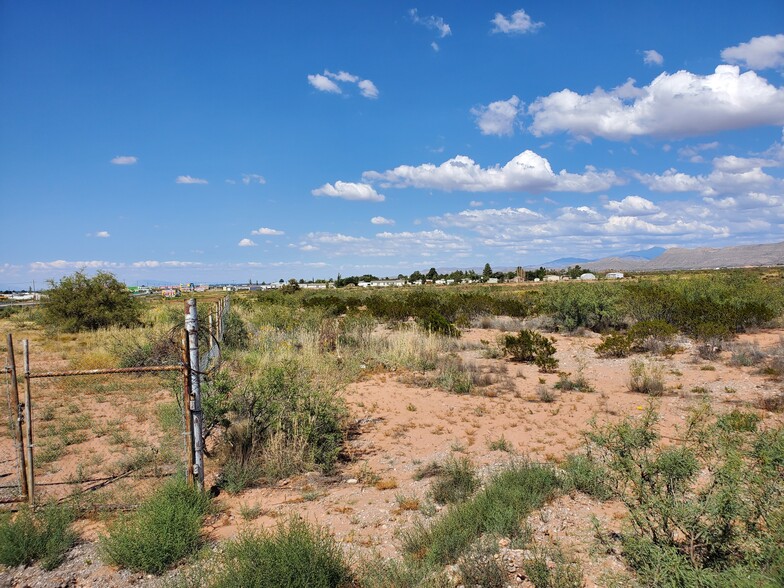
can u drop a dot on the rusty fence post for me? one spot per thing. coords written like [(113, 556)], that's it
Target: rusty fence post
[(192, 326), (28, 408), (18, 418)]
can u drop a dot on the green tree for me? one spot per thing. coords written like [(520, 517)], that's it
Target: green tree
[(416, 277), (432, 274), (487, 273), (78, 303)]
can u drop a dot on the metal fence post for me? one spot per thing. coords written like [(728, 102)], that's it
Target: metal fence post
[(186, 407), (192, 326), (18, 417), (29, 425)]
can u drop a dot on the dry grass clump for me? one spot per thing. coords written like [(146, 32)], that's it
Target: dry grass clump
[(746, 354), (646, 378)]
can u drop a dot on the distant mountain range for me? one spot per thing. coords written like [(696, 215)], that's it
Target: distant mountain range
[(679, 258)]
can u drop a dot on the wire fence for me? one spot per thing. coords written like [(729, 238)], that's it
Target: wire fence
[(18, 473)]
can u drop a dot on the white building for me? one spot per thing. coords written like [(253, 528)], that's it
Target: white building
[(614, 276), (587, 276)]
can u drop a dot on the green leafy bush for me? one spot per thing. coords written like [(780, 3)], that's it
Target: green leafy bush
[(292, 556), (586, 476), (707, 512), (614, 345), (165, 529), (597, 307), (532, 347), (44, 535), (79, 303), (434, 322)]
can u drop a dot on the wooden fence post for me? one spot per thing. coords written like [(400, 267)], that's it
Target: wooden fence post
[(29, 425), (186, 406), (18, 417), (192, 326)]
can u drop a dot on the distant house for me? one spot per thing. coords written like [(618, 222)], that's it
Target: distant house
[(492, 280), (170, 292), (388, 283), (552, 278), (314, 286), (587, 277), (363, 284), (614, 276)]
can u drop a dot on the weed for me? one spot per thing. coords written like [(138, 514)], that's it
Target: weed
[(549, 568), (456, 481), (614, 345), (44, 535), (746, 354), (773, 403), (294, 555), (544, 394), (164, 529), (250, 512), (479, 566), (386, 484), (427, 471), (646, 378), (500, 444), (407, 502), (587, 476)]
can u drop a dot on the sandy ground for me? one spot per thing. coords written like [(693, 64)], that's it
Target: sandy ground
[(403, 426)]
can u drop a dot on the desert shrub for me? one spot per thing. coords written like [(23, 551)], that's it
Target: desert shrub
[(434, 322), (165, 529), (44, 535), (280, 403), (455, 481), (499, 508), (652, 335), (147, 348), (545, 394), (479, 566), (646, 378), (597, 307), (706, 512), (531, 347), (746, 354), (733, 300), (549, 568), (567, 382), (453, 376), (587, 476), (774, 403), (294, 555), (79, 303), (738, 421), (614, 345), (235, 333)]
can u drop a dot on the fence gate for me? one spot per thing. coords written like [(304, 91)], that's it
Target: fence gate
[(192, 366)]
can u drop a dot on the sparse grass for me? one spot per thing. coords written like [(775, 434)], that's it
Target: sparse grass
[(774, 403), (479, 566), (164, 530), (544, 393), (44, 535), (567, 383), (549, 568), (587, 476), (250, 512), (386, 484), (500, 508), (428, 470), (746, 354), (646, 378), (500, 444)]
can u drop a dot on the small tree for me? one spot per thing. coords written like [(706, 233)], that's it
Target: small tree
[(80, 303), (487, 272)]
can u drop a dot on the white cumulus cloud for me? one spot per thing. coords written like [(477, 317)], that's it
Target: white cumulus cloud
[(246, 243), (102, 234), (766, 52), (380, 220), (632, 206), (498, 118), (652, 57), (266, 231), (190, 180), (431, 22), (323, 84), (248, 179), (328, 83), (124, 160), (673, 105), (349, 191), (527, 172), (517, 24)]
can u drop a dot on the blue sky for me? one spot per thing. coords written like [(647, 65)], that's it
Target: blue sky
[(216, 142)]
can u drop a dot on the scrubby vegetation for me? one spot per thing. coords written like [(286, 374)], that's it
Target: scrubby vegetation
[(78, 302), (165, 529), (44, 535), (533, 347)]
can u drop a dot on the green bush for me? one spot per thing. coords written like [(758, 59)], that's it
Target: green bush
[(165, 529), (456, 481), (597, 307), (614, 345), (434, 322), (78, 303), (587, 476), (279, 402), (707, 512), (532, 347), (235, 333), (293, 556), (548, 568), (44, 535)]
